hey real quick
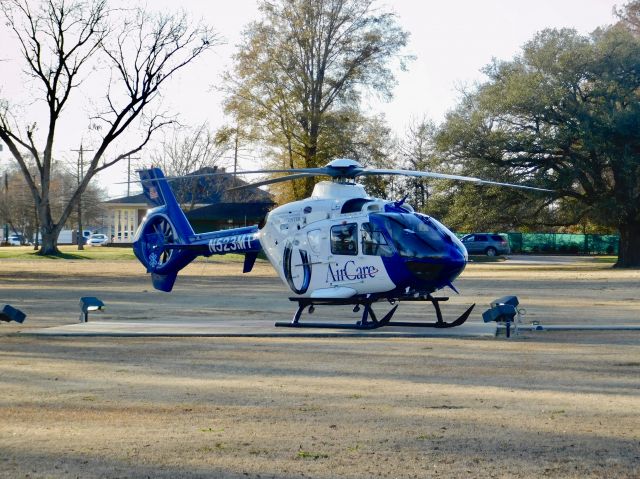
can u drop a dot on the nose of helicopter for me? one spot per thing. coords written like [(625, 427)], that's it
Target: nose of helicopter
[(454, 255), (457, 260), (440, 267), (432, 257)]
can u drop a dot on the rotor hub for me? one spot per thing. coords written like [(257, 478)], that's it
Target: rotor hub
[(343, 163)]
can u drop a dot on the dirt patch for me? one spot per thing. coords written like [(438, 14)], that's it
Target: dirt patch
[(542, 405)]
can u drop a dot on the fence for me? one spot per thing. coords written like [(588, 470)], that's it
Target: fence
[(563, 243)]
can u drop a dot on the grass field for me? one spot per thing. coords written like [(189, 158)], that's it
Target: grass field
[(71, 252), (549, 404), (109, 253), (68, 252)]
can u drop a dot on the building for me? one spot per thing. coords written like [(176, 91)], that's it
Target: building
[(208, 202)]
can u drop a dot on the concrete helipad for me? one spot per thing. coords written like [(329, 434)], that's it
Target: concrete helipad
[(247, 328)]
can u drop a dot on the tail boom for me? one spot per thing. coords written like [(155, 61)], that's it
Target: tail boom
[(165, 241)]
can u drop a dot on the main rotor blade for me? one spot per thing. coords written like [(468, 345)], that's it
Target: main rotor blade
[(349, 171), (444, 176), (319, 171), (248, 172), (280, 179)]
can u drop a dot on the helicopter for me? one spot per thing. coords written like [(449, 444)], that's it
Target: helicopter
[(338, 247)]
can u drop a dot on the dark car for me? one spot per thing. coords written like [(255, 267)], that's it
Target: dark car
[(486, 243)]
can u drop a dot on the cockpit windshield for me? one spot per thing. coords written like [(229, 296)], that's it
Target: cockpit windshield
[(414, 236)]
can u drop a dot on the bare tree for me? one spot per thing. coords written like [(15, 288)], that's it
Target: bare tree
[(190, 150), (417, 152), (61, 44), (18, 209), (629, 16), (16, 205)]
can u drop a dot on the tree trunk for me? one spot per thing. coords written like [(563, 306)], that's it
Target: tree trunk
[(629, 246), (49, 244), (292, 166), (310, 162), (310, 156), (49, 232)]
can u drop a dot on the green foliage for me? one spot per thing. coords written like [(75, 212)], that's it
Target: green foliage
[(563, 115), (68, 252), (300, 72)]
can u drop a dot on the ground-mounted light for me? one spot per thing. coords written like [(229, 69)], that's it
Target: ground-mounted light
[(89, 303), (9, 313), (503, 310)]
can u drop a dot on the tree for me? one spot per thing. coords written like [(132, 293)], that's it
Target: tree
[(629, 16), (565, 115), (18, 209), (16, 205), (64, 44), (369, 141), (187, 151), (417, 152), (303, 64)]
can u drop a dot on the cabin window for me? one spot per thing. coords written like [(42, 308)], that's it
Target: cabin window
[(374, 242), (354, 205), (314, 237), (344, 239)]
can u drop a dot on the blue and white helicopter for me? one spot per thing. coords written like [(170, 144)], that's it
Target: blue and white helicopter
[(338, 247)]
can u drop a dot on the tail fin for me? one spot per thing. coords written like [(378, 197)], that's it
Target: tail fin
[(159, 194), (165, 229)]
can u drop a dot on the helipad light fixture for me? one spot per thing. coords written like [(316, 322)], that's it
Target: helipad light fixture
[(9, 313), (503, 310), (89, 303)]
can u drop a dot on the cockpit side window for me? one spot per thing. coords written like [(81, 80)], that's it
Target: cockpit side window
[(344, 239), (412, 237), (374, 242)]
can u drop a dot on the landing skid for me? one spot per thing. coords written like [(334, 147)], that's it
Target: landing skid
[(369, 319)]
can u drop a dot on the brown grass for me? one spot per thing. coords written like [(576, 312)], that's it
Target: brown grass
[(542, 405)]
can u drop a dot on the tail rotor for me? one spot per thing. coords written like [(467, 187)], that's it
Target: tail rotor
[(158, 233), (161, 242)]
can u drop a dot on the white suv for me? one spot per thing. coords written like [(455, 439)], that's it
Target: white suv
[(97, 239), (14, 240)]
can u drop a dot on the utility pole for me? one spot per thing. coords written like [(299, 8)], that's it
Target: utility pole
[(36, 241), (129, 172), (236, 145), (6, 202), (5, 235), (80, 173)]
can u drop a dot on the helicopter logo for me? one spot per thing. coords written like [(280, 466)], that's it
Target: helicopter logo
[(338, 247), (350, 272)]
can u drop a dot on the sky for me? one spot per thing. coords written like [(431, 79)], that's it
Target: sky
[(451, 41)]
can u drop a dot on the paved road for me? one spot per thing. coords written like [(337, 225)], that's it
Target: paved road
[(548, 259)]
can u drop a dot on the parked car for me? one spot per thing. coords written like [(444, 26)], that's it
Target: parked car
[(486, 243), (16, 240), (97, 239)]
